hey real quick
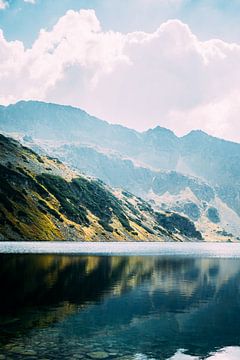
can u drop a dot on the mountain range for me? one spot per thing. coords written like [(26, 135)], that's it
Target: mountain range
[(43, 199), (196, 176)]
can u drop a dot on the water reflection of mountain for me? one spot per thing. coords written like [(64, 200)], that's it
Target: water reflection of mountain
[(168, 303)]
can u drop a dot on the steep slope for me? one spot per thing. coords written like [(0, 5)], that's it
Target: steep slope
[(215, 160), (129, 159), (170, 190), (42, 199)]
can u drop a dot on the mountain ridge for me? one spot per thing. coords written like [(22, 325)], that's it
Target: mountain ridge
[(129, 159), (74, 108)]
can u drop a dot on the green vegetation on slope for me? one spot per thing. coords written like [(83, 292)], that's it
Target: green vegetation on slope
[(174, 223), (42, 199), (90, 194)]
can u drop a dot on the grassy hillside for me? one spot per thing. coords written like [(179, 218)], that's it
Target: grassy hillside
[(42, 199)]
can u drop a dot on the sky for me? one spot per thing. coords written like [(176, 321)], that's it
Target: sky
[(139, 63)]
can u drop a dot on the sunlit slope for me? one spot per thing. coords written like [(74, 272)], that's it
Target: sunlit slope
[(42, 199)]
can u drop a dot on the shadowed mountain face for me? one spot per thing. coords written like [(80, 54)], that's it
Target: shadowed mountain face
[(77, 305), (196, 175)]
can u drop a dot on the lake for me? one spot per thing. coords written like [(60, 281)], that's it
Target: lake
[(81, 306)]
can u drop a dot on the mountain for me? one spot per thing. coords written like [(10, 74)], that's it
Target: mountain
[(197, 175), (166, 190), (42, 199), (50, 121)]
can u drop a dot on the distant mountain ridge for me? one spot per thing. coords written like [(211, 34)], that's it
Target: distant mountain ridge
[(155, 164)]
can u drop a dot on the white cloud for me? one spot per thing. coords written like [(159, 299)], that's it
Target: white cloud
[(168, 77), (3, 4), (219, 118), (30, 1)]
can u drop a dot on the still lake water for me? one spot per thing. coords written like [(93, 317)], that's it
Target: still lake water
[(119, 307)]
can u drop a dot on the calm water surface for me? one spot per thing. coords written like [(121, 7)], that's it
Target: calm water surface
[(119, 307)]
